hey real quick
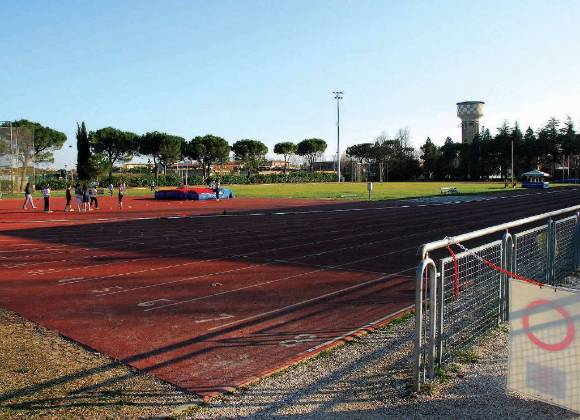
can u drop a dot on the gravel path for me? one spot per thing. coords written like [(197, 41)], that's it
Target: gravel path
[(369, 377)]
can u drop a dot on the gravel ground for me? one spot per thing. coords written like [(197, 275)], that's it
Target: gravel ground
[(369, 378), (43, 375)]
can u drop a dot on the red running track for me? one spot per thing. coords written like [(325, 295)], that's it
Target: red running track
[(209, 302)]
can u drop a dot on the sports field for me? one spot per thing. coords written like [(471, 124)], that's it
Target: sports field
[(342, 191), (212, 295)]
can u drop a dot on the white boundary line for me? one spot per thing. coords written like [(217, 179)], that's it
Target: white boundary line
[(354, 286)]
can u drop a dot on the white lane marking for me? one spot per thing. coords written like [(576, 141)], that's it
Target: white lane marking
[(64, 281), (355, 286), (298, 339), (186, 279), (276, 280), (153, 302), (106, 289), (350, 333), (221, 317)]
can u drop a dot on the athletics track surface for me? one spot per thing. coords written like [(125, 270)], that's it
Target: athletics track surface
[(211, 302)]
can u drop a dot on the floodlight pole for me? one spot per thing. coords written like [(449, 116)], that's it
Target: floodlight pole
[(338, 97), (513, 186)]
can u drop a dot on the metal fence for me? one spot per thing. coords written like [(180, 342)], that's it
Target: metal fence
[(461, 296), (16, 157)]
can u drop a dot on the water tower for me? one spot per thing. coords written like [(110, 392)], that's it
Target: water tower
[(470, 112)]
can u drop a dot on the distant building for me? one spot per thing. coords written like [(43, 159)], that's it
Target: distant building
[(129, 166)]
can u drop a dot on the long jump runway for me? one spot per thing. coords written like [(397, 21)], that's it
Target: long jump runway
[(210, 302)]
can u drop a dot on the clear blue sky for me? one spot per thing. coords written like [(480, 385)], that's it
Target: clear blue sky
[(266, 69)]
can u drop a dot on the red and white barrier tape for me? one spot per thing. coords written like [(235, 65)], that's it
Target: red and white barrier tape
[(487, 263)]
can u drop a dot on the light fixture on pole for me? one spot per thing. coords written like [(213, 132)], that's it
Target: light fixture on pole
[(338, 97)]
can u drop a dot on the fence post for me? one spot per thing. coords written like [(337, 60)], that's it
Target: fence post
[(419, 374), (432, 319), (550, 251), (577, 243), (418, 324), (507, 245), (441, 302)]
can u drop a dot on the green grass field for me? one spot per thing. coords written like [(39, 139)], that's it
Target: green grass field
[(358, 190), (343, 191)]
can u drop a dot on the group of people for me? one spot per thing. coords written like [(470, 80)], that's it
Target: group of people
[(86, 197)]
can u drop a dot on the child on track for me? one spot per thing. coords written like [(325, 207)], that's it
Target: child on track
[(122, 189), (67, 206), (46, 195), (28, 197), (111, 188)]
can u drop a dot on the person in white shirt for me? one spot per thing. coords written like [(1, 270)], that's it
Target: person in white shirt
[(46, 195), (122, 189)]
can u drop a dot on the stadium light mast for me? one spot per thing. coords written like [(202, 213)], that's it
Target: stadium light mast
[(513, 185), (338, 97)]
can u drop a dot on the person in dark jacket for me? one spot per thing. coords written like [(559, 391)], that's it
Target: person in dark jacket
[(28, 197)]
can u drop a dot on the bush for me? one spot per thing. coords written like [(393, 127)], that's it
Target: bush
[(292, 177)]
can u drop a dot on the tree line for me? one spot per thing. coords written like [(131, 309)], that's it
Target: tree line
[(383, 159), (488, 156), (386, 159), (100, 150)]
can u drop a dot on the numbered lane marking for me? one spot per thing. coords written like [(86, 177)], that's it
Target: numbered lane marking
[(107, 289), (153, 303), (298, 339), (221, 317)]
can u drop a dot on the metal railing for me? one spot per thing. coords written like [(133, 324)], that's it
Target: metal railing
[(460, 297)]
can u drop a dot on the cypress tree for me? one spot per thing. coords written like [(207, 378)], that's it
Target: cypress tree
[(83, 153)]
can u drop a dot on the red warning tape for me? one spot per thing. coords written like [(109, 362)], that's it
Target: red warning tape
[(455, 271), (490, 265)]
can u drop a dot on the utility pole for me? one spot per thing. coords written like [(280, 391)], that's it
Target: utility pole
[(338, 97), (513, 185)]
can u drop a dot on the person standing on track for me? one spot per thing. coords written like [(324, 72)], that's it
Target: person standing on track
[(28, 197), (111, 188), (67, 206), (217, 189), (86, 198), (93, 197), (46, 195), (78, 196), (122, 189)]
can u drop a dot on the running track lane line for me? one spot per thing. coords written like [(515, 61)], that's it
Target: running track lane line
[(275, 280), (355, 286), (363, 327)]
